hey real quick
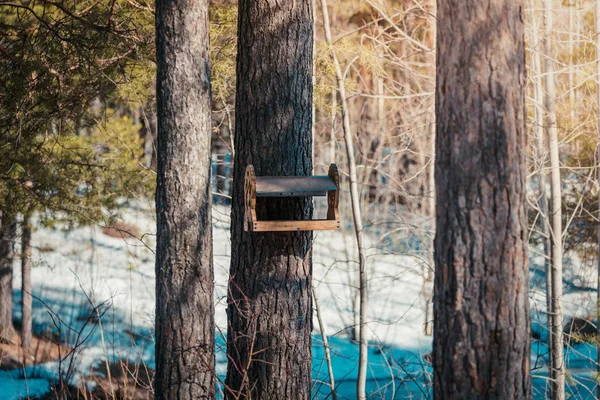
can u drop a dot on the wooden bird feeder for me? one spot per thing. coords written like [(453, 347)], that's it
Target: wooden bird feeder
[(291, 186)]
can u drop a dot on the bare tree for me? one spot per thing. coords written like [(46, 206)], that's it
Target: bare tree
[(269, 298), (540, 162), (597, 29), (481, 333), (557, 369), (184, 275), (325, 344), (8, 230), (361, 383), (26, 298)]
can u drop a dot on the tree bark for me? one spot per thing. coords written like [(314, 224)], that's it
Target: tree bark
[(597, 28), (325, 345), (540, 164), (8, 233), (269, 301), (481, 341), (363, 352), (430, 6), (184, 275), (557, 368), (26, 298)]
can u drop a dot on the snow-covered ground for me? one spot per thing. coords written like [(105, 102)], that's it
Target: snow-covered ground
[(80, 273)]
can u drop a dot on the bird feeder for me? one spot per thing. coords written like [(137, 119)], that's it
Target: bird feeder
[(291, 186)]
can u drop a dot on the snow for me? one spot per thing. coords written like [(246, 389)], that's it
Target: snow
[(14, 386), (76, 270)]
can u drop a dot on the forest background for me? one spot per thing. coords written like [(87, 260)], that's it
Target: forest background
[(78, 157)]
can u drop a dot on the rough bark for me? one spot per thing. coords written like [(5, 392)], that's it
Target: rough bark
[(269, 301), (26, 298), (481, 312), (8, 233), (184, 275)]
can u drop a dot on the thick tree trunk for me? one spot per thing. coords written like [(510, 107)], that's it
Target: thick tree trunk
[(184, 274), (8, 233), (269, 304), (26, 299), (481, 312)]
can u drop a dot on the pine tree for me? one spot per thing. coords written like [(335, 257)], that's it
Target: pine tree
[(269, 298), (184, 276), (481, 333)]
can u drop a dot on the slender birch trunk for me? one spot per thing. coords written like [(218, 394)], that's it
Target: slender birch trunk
[(540, 164), (430, 43), (325, 344), (557, 370), (597, 28), (356, 213)]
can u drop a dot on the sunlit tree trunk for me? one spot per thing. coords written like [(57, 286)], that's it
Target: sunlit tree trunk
[(361, 384), (540, 164), (430, 58), (481, 342), (597, 28), (557, 370)]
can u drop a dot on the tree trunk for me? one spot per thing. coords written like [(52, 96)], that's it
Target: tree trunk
[(428, 277), (325, 345), (481, 331), (597, 28), (184, 275), (269, 300), (8, 233), (363, 352), (26, 299), (557, 368), (540, 164)]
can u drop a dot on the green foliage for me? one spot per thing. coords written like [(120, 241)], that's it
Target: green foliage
[(223, 40), (60, 63), (121, 155)]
